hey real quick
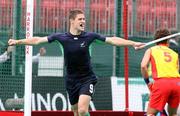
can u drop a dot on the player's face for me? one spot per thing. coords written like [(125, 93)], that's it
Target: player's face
[(79, 22)]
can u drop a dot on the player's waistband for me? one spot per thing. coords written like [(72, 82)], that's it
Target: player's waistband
[(79, 69), (167, 78)]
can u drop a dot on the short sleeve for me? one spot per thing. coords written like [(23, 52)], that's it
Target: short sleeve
[(53, 37), (99, 37)]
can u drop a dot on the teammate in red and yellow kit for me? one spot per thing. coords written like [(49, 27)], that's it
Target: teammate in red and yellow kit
[(166, 85)]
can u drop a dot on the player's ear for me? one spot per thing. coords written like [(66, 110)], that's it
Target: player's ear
[(71, 20)]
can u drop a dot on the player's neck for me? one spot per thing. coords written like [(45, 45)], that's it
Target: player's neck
[(74, 32), (163, 44)]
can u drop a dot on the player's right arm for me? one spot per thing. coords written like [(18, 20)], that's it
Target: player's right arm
[(144, 68), (30, 41), (144, 64)]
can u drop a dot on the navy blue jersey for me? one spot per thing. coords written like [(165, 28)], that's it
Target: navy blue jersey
[(76, 52)]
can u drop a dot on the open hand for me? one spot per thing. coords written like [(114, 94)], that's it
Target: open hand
[(11, 42), (138, 45)]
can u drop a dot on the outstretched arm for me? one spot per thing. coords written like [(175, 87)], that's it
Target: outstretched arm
[(117, 41), (31, 41)]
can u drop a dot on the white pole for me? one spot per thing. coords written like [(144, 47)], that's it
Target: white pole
[(28, 62), (161, 39)]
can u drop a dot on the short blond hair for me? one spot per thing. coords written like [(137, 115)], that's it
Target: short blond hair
[(74, 13)]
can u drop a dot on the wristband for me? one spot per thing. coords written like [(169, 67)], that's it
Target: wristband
[(146, 80)]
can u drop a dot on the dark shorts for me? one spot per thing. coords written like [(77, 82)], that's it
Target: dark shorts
[(86, 87)]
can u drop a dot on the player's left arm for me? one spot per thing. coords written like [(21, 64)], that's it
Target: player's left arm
[(117, 41)]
